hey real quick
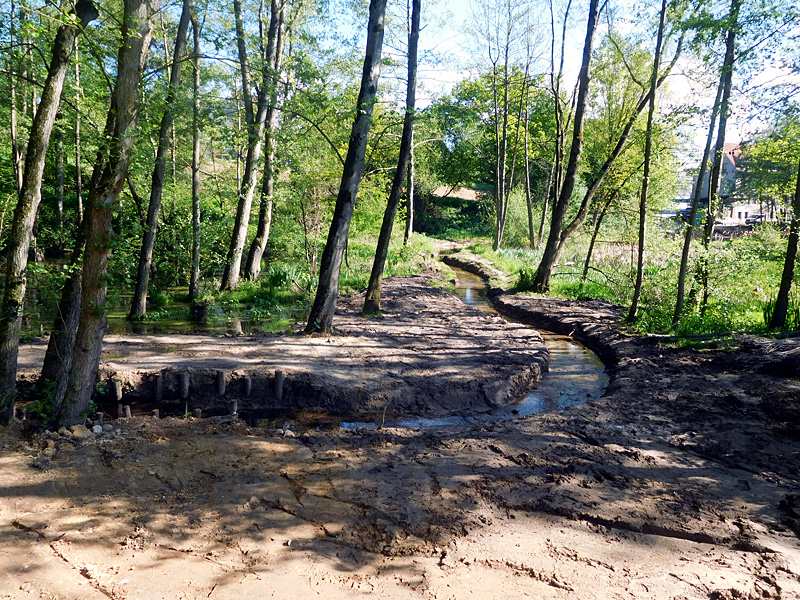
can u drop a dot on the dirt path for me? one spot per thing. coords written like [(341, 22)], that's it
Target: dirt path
[(682, 482)]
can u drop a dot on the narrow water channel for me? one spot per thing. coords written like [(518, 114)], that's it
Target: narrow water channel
[(576, 373)]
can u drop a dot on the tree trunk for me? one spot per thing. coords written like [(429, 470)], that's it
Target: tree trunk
[(256, 123), (541, 281), (320, 319), (136, 35), (58, 357), (778, 319), (595, 232), (194, 282), (546, 200), (274, 58), (648, 151), (139, 301), (528, 198), (28, 203), (698, 190), (726, 79), (16, 153), (78, 174), (409, 229), (372, 300)]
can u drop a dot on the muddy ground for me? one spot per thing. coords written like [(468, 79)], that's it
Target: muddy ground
[(682, 482)]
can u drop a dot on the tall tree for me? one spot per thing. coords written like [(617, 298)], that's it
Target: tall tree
[(139, 301), (648, 151), (255, 121), (137, 33), (194, 281), (726, 79), (542, 277), (320, 320), (274, 59), (28, 202), (372, 300), (558, 238)]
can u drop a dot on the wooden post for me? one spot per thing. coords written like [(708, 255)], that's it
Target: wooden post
[(117, 389), (158, 392), (184, 377), (221, 383), (198, 413), (279, 385), (248, 386), (126, 410)]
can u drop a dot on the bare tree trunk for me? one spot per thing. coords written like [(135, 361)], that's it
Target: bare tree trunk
[(551, 185), (78, 173), (194, 282), (542, 278), (28, 204), (139, 301), (409, 229), (372, 299), (256, 123), (320, 319), (16, 153), (778, 319), (528, 198), (648, 151), (719, 148), (137, 33), (274, 58), (698, 191), (595, 232)]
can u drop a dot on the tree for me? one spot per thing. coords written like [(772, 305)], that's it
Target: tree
[(256, 124), (542, 277), (372, 299), (781, 309), (29, 197), (194, 282), (139, 301), (558, 236), (136, 35), (320, 319), (274, 58), (648, 150)]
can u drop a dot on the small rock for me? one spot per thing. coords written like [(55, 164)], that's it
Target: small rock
[(63, 432), (287, 543), (108, 427), (97, 429), (80, 431), (289, 433), (278, 432)]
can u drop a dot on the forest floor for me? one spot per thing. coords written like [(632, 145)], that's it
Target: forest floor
[(681, 482)]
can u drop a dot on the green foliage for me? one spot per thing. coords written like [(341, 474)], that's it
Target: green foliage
[(43, 404)]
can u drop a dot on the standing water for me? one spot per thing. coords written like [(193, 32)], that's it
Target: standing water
[(575, 375)]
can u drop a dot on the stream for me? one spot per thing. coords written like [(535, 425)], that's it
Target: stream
[(576, 373)]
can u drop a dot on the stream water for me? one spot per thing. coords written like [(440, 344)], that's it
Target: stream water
[(576, 373)]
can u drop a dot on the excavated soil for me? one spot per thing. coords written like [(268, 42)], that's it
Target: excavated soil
[(682, 482)]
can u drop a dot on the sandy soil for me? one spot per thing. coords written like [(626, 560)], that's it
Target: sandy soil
[(682, 482)]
